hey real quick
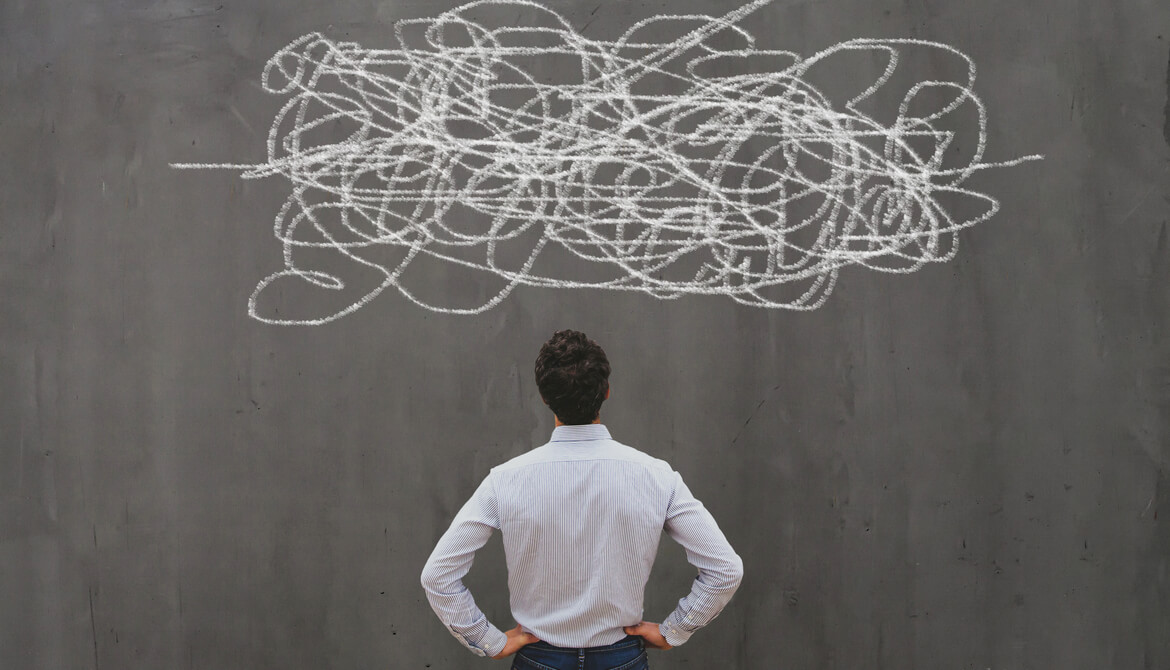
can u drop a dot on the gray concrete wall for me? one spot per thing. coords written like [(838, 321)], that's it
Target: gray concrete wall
[(964, 467)]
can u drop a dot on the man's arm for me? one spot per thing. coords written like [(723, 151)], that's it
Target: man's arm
[(720, 568), (442, 577)]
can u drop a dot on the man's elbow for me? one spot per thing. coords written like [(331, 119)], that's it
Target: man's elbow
[(430, 578), (731, 575), (735, 574), (725, 577)]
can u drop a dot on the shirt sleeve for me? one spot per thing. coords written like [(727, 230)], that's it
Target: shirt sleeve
[(720, 569), (442, 576)]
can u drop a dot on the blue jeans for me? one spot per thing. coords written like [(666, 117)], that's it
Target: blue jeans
[(628, 653)]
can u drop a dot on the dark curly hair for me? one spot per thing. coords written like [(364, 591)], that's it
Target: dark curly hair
[(572, 374)]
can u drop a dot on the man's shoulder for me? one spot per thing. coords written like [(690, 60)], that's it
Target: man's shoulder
[(639, 456)]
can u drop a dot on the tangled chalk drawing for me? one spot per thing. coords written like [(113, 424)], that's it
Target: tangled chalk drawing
[(694, 164)]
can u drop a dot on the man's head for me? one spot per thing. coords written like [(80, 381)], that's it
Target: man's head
[(572, 374)]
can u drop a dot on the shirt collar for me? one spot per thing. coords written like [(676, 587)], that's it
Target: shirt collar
[(585, 433)]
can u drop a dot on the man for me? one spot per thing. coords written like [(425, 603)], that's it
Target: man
[(581, 518)]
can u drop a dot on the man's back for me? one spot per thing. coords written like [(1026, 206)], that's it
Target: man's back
[(581, 519), (581, 522)]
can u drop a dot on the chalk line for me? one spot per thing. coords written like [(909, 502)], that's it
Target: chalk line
[(646, 158)]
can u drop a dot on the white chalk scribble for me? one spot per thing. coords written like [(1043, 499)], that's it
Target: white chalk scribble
[(694, 164)]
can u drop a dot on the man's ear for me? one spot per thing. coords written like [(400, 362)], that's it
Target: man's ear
[(607, 393)]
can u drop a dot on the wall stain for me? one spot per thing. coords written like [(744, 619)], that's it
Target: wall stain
[(93, 632), (1166, 111)]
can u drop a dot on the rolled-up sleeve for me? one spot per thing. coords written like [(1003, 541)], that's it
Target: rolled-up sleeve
[(449, 563), (720, 569)]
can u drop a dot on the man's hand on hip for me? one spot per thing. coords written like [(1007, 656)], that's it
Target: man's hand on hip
[(516, 638), (649, 632)]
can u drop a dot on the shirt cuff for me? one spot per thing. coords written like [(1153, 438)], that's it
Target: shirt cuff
[(490, 643), (673, 634), (494, 641)]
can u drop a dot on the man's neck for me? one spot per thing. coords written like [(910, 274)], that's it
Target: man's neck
[(557, 421)]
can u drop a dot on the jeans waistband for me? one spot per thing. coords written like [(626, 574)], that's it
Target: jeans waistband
[(627, 641)]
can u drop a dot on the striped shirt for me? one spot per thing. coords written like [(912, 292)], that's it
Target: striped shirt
[(581, 518)]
